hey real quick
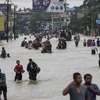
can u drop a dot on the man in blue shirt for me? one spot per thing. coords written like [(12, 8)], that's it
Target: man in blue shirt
[(3, 85), (92, 88)]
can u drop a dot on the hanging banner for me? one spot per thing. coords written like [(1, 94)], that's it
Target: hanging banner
[(48, 5), (1, 22)]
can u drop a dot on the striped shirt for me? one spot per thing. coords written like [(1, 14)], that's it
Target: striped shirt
[(2, 77)]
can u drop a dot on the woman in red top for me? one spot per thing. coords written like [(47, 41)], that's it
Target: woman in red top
[(19, 70)]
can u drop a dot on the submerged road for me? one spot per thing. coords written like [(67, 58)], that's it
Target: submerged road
[(56, 69)]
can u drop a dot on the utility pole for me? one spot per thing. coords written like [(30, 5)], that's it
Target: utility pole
[(52, 17), (14, 23), (7, 20), (65, 7), (95, 18)]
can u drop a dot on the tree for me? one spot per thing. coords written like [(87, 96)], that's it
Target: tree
[(90, 8)]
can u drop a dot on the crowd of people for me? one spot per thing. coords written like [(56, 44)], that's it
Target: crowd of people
[(36, 44), (62, 44), (31, 44), (91, 42)]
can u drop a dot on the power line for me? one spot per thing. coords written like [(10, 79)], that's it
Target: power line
[(17, 1), (22, 1)]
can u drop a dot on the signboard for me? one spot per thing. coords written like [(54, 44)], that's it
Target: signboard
[(3, 7), (1, 23), (48, 5), (70, 9), (98, 22)]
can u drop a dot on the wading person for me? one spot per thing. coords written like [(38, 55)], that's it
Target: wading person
[(31, 68), (76, 90), (76, 42), (92, 88), (93, 50), (84, 43), (19, 70), (3, 85)]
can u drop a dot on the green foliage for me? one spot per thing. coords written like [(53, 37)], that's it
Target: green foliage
[(90, 8)]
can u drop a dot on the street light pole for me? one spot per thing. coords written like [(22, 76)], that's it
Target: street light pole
[(7, 20)]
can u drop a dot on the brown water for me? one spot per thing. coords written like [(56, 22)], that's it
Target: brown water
[(56, 70)]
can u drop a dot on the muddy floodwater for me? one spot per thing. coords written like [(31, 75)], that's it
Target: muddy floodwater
[(56, 69)]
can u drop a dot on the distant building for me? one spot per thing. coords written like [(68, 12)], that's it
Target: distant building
[(70, 11), (23, 15)]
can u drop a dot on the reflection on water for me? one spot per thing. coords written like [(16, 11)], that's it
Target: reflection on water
[(29, 81)]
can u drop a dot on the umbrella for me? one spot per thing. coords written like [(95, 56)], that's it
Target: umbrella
[(62, 39)]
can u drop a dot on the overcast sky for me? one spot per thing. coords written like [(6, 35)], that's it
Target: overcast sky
[(28, 3)]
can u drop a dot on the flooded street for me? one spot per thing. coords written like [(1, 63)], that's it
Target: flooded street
[(56, 69)]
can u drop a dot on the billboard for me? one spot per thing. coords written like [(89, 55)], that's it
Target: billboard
[(48, 5), (3, 7), (1, 22)]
